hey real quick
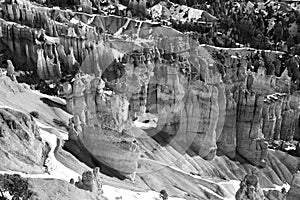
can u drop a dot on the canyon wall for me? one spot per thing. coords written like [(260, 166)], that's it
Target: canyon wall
[(126, 68)]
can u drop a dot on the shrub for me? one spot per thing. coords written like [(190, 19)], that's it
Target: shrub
[(60, 123), (15, 185), (35, 114)]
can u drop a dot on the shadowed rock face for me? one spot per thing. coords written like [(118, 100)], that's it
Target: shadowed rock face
[(250, 141), (250, 189), (293, 193), (227, 141)]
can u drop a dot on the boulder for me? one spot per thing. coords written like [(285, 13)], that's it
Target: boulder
[(275, 194), (91, 181), (250, 189)]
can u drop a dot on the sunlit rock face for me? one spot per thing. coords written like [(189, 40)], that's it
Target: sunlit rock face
[(20, 138)]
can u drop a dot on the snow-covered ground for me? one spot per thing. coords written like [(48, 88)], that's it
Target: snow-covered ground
[(113, 193), (178, 12), (54, 167), (278, 187)]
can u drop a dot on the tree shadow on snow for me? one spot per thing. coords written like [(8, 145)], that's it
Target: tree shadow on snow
[(53, 104)]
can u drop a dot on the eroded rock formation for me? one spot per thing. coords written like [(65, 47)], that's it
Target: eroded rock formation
[(250, 189), (19, 136), (91, 181), (101, 123)]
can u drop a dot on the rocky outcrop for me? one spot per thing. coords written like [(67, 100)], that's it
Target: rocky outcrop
[(250, 189), (293, 193), (250, 140), (21, 148), (99, 123), (91, 181)]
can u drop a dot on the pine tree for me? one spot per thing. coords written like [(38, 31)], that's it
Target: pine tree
[(15, 185)]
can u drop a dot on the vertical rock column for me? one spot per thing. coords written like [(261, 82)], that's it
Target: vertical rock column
[(288, 121), (198, 122), (68, 92), (250, 141), (269, 120), (278, 111), (227, 141), (79, 102)]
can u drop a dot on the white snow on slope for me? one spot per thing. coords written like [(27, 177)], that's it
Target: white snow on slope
[(54, 167), (178, 12), (156, 10), (113, 193)]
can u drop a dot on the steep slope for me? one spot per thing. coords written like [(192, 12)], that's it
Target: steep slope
[(21, 148)]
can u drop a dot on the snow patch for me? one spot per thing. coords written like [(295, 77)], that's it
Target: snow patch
[(184, 13), (54, 167), (156, 11), (113, 193)]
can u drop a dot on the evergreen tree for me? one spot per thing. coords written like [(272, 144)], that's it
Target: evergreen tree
[(15, 185)]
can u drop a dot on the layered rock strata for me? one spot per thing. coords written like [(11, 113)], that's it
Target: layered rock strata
[(51, 41)]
